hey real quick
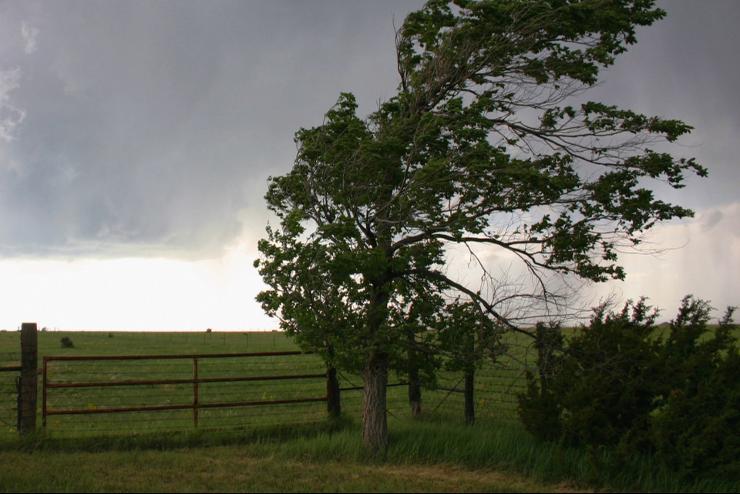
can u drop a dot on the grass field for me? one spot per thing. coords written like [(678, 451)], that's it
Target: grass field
[(425, 455), (496, 386), (285, 448), (238, 469)]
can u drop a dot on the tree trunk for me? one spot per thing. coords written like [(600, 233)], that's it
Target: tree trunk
[(374, 421)]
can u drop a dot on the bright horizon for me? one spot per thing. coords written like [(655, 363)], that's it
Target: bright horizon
[(135, 294), (194, 295)]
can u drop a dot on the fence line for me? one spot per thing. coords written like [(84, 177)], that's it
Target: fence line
[(196, 380), (126, 393)]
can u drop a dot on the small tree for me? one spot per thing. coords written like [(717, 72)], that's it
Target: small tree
[(539, 407), (483, 145)]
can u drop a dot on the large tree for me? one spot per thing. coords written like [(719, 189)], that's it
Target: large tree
[(488, 142)]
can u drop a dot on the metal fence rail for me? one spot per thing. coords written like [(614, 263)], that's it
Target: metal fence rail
[(156, 384), (166, 392)]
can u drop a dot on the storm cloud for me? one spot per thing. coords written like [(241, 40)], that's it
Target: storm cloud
[(154, 125), (148, 129)]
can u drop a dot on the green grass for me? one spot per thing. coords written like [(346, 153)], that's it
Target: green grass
[(239, 469), (496, 385), (290, 447), (103, 343), (424, 455)]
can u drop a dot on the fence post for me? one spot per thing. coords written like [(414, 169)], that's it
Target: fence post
[(470, 396), (414, 392), (414, 381), (29, 379), (333, 398)]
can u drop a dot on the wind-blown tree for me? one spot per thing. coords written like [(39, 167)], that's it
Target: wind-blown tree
[(487, 143)]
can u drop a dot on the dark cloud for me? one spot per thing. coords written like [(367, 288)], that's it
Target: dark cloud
[(154, 125), (157, 124), (683, 67)]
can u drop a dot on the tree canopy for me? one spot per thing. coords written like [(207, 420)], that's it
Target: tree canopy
[(487, 142)]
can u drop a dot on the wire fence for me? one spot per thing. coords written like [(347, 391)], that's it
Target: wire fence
[(9, 391), (352, 396), (8, 403), (171, 384), (495, 394), (496, 390)]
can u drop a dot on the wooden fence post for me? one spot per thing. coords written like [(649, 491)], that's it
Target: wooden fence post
[(470, 396), (414, 392), (29, 378), (333, 398)]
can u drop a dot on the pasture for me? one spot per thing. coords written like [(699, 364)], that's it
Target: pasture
[(496, 385), (291, 447)]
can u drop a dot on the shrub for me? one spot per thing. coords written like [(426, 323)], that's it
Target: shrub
[(601, 388), (539, 408), (618, 383), (697, 430), (66, 342)]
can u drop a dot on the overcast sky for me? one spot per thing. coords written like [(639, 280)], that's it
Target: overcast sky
[(136, 138)]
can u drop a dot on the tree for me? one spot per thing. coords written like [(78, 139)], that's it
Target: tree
[(487, 142)]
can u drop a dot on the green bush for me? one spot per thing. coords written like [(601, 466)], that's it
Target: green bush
[(539, 408), (602, 385), (66, 342), (697, 430), (619, 383)]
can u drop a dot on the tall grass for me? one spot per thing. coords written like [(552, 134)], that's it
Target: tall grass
[(502, 446)]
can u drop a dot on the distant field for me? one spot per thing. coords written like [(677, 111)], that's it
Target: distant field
[(496, 385)]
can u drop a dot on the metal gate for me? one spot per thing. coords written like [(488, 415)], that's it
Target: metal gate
[(166, 388)]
